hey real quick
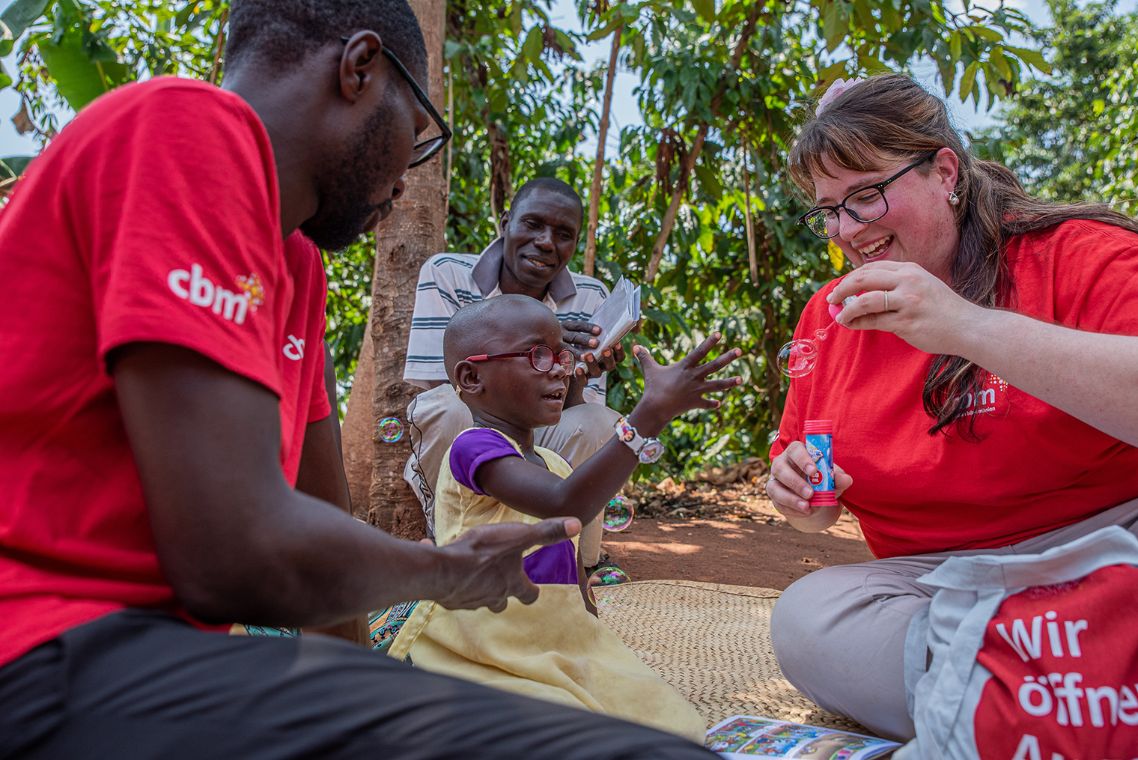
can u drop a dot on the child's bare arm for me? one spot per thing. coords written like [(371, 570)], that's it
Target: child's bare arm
[(668, 391)]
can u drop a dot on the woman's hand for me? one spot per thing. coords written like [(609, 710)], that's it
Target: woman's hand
[(674, 389), (907, 300), (788, 487)]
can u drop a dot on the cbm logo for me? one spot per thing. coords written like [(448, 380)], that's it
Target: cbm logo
[(986, 397), (195, 287)]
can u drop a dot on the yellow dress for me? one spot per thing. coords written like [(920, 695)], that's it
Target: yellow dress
[(552, 649)]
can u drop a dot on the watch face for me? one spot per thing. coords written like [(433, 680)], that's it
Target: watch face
[(651, 451)]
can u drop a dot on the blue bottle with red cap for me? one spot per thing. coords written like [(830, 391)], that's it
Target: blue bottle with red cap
[(820, 446)]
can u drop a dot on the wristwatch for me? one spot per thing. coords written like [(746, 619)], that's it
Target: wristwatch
[(647, 450)]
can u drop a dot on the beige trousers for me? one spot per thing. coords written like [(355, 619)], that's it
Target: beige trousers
[(839, 633), (436, 417)]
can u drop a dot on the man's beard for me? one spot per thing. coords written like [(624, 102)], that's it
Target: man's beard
[(344, 193)]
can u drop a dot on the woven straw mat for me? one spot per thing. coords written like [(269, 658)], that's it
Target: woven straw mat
[(712, 643)]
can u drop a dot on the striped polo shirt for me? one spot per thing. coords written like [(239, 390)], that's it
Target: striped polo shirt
[(449, 281)]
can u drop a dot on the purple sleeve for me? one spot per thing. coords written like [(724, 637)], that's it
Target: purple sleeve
[(472, 449), (553, 564)]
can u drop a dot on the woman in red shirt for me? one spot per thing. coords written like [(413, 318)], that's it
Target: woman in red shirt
[(980, 380)]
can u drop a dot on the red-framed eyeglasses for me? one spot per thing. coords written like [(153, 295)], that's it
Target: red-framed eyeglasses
[(541, 357)]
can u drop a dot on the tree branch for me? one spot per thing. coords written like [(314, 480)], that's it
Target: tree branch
[(688, 164), (598, 165)]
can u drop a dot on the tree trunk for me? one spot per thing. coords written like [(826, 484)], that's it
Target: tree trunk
[(772, 380), (415, 230), (359, 427), (752, 262), (501, 188), (599, 164)]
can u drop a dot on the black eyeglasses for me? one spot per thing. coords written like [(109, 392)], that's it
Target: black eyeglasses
[(540, 357), (426, 149), (866, 204)]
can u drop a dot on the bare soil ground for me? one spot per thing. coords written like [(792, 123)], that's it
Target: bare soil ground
[(725, 530)]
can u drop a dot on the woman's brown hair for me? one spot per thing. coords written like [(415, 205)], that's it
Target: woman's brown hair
[(892, 118)]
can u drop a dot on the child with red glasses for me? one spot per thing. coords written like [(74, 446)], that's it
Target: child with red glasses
[(505, 359)]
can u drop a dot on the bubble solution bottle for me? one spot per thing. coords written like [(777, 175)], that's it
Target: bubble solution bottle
[(820, 445)]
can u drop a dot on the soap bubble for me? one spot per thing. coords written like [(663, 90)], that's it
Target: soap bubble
[(618, 514), (608, 576), (797, 358), (389, 430)]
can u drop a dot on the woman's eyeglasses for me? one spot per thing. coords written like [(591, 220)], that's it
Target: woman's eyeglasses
[(865, 205), (540, 356)]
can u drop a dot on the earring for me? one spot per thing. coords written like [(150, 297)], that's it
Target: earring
[(458, 391), (953, 198)]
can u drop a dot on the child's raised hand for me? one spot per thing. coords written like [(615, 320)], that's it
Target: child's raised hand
[(673, 389)]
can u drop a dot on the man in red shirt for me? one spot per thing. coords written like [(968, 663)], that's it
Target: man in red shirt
[(162, 389)]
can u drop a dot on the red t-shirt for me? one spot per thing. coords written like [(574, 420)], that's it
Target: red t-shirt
[(152, 217), (1035, 469)]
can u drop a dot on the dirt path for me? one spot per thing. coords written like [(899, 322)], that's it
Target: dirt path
[(727, 550), (726, 534)]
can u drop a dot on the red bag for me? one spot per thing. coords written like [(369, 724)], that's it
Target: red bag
[(1034, 657)]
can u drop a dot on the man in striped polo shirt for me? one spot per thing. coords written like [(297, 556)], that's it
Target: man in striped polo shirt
[(538, 238)]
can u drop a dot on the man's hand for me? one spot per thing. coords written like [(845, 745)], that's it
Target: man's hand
[(580, 336), (594, 365), (486, 562)]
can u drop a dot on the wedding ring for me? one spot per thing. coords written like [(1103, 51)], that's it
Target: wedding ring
[(886, 293)]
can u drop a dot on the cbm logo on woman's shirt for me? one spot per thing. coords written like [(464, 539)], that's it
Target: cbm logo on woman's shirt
[(988, 398), (195, 287)]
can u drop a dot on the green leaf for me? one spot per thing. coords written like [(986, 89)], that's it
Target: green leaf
[(873, 65), (864, 14), (6, 40), (532, 47), (182, 17), (78, 78), (969, 79), (709, 183), (947, 73), (23, 13), (1031, 58), (567, 44), (997, 59), (833, 71), (955, 45), (705, 8), (707, 239), (14, 166), (606, 30), (834, 26), (890, 17), (986, 33)]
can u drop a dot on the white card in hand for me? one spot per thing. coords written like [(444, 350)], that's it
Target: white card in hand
[(619, 313)]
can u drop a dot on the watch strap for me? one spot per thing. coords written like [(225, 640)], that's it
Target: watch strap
[(646, 449)]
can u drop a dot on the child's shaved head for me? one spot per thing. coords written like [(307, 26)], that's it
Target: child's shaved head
[(490, 326)]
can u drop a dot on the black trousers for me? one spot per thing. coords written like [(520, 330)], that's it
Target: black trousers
[(139, 684)]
